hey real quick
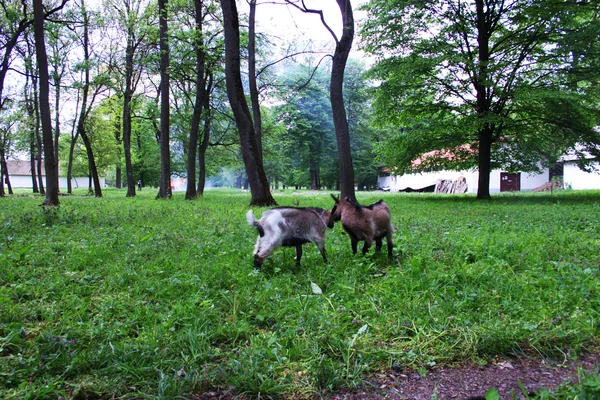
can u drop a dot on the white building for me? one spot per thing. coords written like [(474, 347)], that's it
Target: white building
[(19, 172), (500, 181), (577, 179)]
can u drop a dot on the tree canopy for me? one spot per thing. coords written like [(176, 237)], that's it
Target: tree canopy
[(494, 84)]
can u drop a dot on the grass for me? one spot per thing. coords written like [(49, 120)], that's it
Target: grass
[(143, 298)]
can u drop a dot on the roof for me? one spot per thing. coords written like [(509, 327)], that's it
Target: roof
[(576, 156), (456, 153), (20, 167)]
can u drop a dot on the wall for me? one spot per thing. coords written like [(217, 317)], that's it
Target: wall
[(420, 180), (424, 179), (24, 182), (532, 181), (581, 180)]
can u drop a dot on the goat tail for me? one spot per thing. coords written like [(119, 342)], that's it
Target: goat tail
[(253, 222)]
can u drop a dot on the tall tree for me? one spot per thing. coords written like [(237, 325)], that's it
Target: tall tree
[(201, 111), (343, 45), (52, 185), (470, 78), (259, 184), (59, 47), (308, 141), (32, 104), (132, 20), (164, 190), (87, 100), (252, 78)]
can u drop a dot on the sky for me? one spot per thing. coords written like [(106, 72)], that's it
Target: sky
[(288, 23)]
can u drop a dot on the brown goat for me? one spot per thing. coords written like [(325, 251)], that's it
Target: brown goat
[(368, 224)]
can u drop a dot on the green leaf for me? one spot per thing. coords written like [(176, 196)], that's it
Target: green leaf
[(492, 394)]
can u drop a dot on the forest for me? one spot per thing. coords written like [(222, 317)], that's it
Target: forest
[(144, 91)]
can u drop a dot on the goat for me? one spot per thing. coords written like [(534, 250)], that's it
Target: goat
[(288, 227), (368, 224)]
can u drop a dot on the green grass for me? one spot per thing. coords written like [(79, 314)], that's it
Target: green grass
[(144, 298)]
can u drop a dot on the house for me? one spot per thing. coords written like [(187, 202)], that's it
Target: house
[(19, 172), (500, 181), (577, 179)]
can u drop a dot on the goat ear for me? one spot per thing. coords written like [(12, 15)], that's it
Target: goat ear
[(336, 199)]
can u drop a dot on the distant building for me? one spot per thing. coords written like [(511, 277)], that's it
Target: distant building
[(500, 181), (577, 179), (19, 172)]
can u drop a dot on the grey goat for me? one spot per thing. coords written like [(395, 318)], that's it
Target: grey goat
[(288, 227)]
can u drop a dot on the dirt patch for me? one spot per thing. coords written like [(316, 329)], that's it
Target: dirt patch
[(473, 381), (467, 382)]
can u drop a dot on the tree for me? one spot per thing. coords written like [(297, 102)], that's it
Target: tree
[(259, 184), (45, 114), (343, 45), (133, 20), (468, 77), (31, 100), (8, 124), (307, 143), (204, 84), (164, 190), (252, 78), (361, 123), (89, 91), (60, 44)]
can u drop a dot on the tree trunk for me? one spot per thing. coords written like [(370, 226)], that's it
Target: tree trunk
[(32, 157), (91, 161), (164, 191), (3, 173), (483, 106), (191, 189), (336, 95), (83, 114), (252, 78), (38, 138), (46, 117), (127, 114), (70, 164), (56, 116), (259, 185), (203, 147)]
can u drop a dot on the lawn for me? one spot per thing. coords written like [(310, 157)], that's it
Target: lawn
[(145, 298)]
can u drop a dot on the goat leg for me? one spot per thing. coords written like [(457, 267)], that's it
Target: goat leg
[(354, 243), (298, 254), (322, 250), (390, 244), (366, 246)]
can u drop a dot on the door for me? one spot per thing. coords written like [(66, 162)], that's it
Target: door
[(510, 182)]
